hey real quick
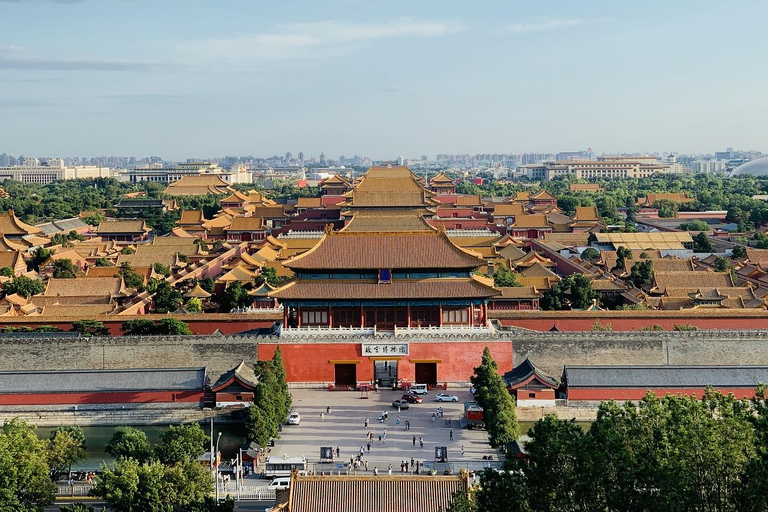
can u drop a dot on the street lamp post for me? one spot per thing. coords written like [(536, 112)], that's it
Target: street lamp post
[(218, 459)]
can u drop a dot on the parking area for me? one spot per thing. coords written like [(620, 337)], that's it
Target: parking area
[(345, 428)]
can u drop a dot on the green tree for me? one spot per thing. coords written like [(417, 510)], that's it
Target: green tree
[(641, 273), (66, 447), (701, 243), (667, 209), (6, 272), (127, 250), (139, 327), (173, 327), (555, 465), (581, 293), (268, 410), (76, 507), (590, 254), (278, 367), (133, 486), (64, 269), (503, 277), (236, 296), (739, 251), (497, 403), (129, 443), (24, 286), (163, 270), (207, 284), (103, 262), (194, 305), (95, 219), (694, 225), (131, 278), (90, 328), (183, 443), (622, 254), (24, 472), (501, 492), (40, 256), (166, 298)]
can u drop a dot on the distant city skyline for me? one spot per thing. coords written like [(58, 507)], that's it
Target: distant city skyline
[(381, 79)]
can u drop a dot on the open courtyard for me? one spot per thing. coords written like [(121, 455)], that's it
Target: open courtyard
[(345, 429)]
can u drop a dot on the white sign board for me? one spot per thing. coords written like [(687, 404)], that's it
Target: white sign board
[(385, 349)]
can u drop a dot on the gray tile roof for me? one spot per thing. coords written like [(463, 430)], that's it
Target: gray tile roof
[(80, 381), (62, 226), (664, 376)]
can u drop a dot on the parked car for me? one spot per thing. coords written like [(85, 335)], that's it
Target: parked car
[(443, 397), (279, 483), (401, 404), (412, 399), (419, 389), (294, 418)]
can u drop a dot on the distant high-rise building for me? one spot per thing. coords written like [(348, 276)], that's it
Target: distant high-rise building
[(5, 160), (322, 158), (400, 160), (288, 156), (424, 158), (301, 156)]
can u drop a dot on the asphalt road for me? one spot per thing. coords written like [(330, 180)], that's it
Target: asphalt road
[(240, 506)]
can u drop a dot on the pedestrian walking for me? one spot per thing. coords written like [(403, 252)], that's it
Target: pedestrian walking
[(414, 440), (411, 463), (379, 438), (367, 421), (328, 410), (397, 422), (433, 416), (421, 442), (450, 436), (362, 451), (322, 415), (462, 450), (375, 471), (366, 465), (389, 469), (338, 452), (369, 447)]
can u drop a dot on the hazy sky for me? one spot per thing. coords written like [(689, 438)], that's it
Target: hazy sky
[(200, 78)]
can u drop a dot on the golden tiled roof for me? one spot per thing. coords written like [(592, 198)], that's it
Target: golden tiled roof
[(389, 187), (355, 493), (345, 250), (541, 195), (85, 287), (508, 209), (123, 226), (309, 202), (235, 197), (247, 224), (197, 292), (586, 213), (585, 187), (398, 289), (518, 292), (238, 273), (387, 220), (191, 218), (10, 225), (531, 220), (690, 279), (201, 185)]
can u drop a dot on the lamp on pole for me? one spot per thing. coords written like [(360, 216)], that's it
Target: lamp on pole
[(218, 438)]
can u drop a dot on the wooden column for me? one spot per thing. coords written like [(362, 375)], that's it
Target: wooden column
[(285, 317), (440, 315), (362, 317), (408, 314), (471, 315), (298, 316), (330, 318)]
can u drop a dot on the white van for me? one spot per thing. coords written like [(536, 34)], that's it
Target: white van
[(279, 483), (418, 389)]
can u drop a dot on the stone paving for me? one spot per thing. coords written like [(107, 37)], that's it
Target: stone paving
[(345, 428)]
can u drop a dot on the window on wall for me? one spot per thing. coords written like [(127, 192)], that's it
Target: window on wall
[(311, 317), (385, 276), (456, 316)]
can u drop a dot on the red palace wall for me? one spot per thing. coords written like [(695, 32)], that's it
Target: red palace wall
[(311, 362), (620, 394), (101, 398), (636, 323)]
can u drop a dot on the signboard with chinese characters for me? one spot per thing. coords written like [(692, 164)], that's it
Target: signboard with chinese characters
[(385, 349)]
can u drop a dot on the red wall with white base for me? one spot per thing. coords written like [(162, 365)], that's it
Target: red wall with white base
[(311, 362)]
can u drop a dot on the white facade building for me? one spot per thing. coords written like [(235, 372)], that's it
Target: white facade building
[(32, 171), (162, 174)]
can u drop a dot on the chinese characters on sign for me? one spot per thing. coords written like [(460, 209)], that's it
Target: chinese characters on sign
[(385, 349)]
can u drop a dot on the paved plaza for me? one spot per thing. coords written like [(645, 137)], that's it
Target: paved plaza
[(345, 428)]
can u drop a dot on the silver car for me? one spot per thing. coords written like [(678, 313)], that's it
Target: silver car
[(443, 397)]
